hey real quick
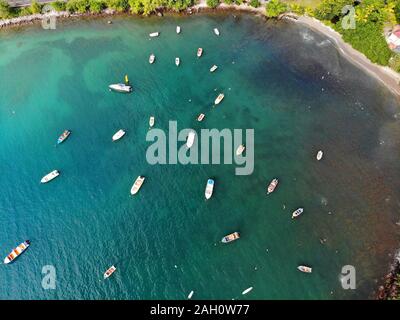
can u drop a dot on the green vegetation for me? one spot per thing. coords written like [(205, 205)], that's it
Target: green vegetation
[(5, 10), (35, 7), (255, 3), (59, 5), (212, 3), (274, 8)]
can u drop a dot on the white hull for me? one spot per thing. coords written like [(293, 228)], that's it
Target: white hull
[(152, 58), (247, 290), (120, 87), (320, 155), (219, 98), (297, 212), (199, 52), (118, 135), (137, 185), (190, 139), (240, 150), (201, 117), (109, 272), (190, 295), (304, 269), (213, 68), (216, 31), (17, 252), (177, 61), (154, 34), (178, 29), (151, 122), (272, 186), (50, 176), (209, 189)]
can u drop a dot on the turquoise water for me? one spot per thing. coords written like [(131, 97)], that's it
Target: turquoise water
[(283, 80)]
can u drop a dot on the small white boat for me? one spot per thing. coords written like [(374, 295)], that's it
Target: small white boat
[(154, 34), (177, 61), (199, 52), (305, 269), (152, 58), (209, 188), (190, 139), (120, 87), (118, 135), (319, 155), (50, 176), (17, 252), (151, 122), (213, 68), (137, 185), (219, 98), (201, 117), (272, 186), (231, 237), (216, 31), (190, 294), (240, 149), (247, 290), (109, 272), (178, 29), (297, 212)]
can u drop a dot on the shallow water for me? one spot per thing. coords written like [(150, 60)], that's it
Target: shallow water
[(283, 80)]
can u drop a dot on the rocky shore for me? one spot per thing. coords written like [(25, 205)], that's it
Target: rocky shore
[(390, 290)]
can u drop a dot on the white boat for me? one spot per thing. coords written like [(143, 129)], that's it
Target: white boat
[(213, 68), (216, 31), (154, 34), (219, 98), (305, 269), (319, 155), (118, 135), (137, 185), (297, 212), (272, 186), (240, 149), (201, 117), (178, 29), (152, 58), (177, 61), (190, 294), (151, 122), (17, 251), (247, 290), (199, 52), (50, 176), (190, 139), (231, 237), (109, 272), (209, 188), (120, 87)]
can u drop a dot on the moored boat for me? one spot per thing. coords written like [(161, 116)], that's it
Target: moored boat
[(247, 290), (151, 122), (177, 61), (137, 185), (319, 155), (152, 58), (201, 117), (213, 68), (209, 188), (240, 149), (305, 269), (199, 52), (230, 237), (120, 87), (190, 294), (118, 135), (272, 186), (190, 139), (178, 29), (219, 98), (109, 272), (297, 212), (50, 176), (63, 136), (216, 31), (17, 252), (154, 34)]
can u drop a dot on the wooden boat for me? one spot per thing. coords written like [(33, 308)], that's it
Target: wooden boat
[(177, 61), (319, 155), (297, 212), (209, 188), (50, 176), (109, 272), (201, 117), (213, 68), (64, 136), (190, 139), (216, 31), (154, 34), (199, 52), (272, 186), (118, 135), (230, 237), (152, 58), (151, 122), (219, 98), (15, 253), (305, 269), (137, 185), (240, 149)]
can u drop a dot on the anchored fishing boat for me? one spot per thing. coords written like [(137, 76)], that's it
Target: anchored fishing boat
[(230, 237), (50, 176), (305, 269), (63, 136), (152, 58), (178, 29), (199, 52), (240, 149), (151, 122), (118, 135), (120, 87), (272, 186), (190, 139), (216, 31), (177, 61), (154, 34), (109, 272), (201, 117), (213, 68), (219, 98), (17, 252), (319, 155), (297, 212), (137, 185), (209, 188)]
